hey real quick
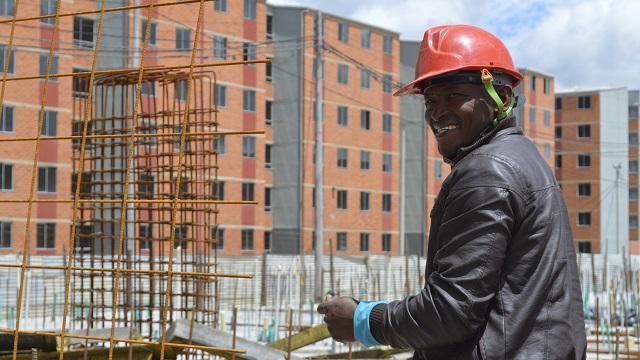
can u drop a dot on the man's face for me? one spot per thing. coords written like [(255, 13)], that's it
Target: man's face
[(456, 114)]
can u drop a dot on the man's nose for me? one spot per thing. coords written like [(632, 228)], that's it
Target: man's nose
[(435, 113)]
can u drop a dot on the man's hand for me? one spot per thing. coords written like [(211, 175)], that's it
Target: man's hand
[(338, 314)]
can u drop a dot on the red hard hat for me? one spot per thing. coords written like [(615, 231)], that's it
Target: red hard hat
[(453, 48)]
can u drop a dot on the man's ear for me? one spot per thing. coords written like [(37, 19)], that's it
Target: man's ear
[(506, 94)]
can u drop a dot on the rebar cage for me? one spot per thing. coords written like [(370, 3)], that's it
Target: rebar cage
[(140, 224)]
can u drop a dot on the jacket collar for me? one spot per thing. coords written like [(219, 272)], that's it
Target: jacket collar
[(506, 126)]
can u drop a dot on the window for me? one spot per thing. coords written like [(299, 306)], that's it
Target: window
[(145, 236), (249, 146), (148, 88), (221, 95), (220, 5), (558, 132), (268, 72), (584, 219), (220, 144), (217, 190), (365, 38), (269, 32), (365, 79), (217, 233), (249, 100), (5, 234), (80, 85), (343, 32), (267, 199), (387, 44), (386, 202), (153, 32), (633, 112), (633, 166), (180, 237), (46, 236), (267, 112), (248, 191), (46, 179), (267, 156), (6, 177), (341, 241), (181, 90), (6, 125), (47, 7), (533, 82), (546, 85), (584, 160), (365, 119), (364, 242), (633, 194), (177, 139), (83, 32), (145, 185), (584, 102), (365, 160), (49, 123), (558, 103), (12, 59), (250, 9), (633, 221), (364, 200), (85, 184), (342, 158), (44, 58), (183, 39), (386, 84), (342, 199), (343, 74), (584, 189), (584, 131), (220, 47), (532, 115), (633, 139), (386, 162), (437, 169), (247, 239), (386, 123), (343, 116), (546, 150), (386, 242), (546, 118), (558, 161), (584, 247), (267, 240), (248, 51)]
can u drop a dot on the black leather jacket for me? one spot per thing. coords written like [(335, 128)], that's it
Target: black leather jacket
[(502, 279)]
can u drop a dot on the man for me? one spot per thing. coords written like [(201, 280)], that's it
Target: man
[(502, 280)]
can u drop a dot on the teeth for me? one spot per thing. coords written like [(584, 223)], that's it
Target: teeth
[(444, 129)]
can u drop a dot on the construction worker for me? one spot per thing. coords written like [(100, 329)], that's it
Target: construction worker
[(501, 274)]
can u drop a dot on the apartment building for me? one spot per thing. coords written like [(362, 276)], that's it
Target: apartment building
[(361, 134), (593, 166), (232, 30), (634, 108)]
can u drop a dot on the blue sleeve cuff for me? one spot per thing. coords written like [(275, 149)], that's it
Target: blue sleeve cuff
[(361, 328)]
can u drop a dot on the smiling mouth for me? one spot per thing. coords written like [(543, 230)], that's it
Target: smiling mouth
[(445, 129)]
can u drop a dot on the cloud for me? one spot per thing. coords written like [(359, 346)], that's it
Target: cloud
[(582, 43)]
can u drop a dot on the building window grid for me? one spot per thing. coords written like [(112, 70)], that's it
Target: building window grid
[(220, 5), (12, 59), (365, 38), (633, 221), (249, 146), (365, 160), (341, 241), (558, 161), (180, 237), (365, 79), (249, 100), (584, 160), (386, 242), (267, 156), (584, 131), (584, 219), (364, 242), (546, 118), (221, 95), (6, 124), (365, 197), (387, 84), (267, 240), (343, 74), (83, 32), (6, 177), (220, 144), (558, 103), (248, 191), (437, 169), (584, 247), (47, 179), (220, 47), (558, 132), (47, 7), (46, 236), (365, 119), (248, 52), (633, 139), (247, 239), (342, 199), (250, 9), (43, 61), (145, 236), (268, 112), (6, 234), (218, 190), (584, 189), (183, 39), (387, 44), (342, 156), (633, 194), (386, 163), (267, 199), (153, 32), (584, 102), (633, 166), (217, 233), (386, 123), (532, 115), (343, 116), (343, 32), (386, 202), (49, 123)]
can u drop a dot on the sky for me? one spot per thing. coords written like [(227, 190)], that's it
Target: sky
[(581, 43)]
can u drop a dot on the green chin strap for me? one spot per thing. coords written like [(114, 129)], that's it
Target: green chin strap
[(487, 81)]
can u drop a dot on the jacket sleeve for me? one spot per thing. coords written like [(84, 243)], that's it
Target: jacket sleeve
[(476, 225)]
